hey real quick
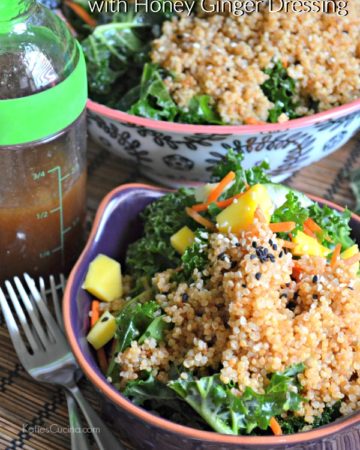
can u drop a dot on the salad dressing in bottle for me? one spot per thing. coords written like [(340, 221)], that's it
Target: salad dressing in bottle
[(43, 92)]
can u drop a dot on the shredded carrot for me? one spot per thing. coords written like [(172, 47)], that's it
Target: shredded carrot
[(282, 227), (335, 255), (352, 260), (309, 232), (95, 312), (275, 426), (259, 214), (220, 187), (199, 207), (199, 219), (82, 13), (102, 360), (253, 121), (287, 244), (253, 230), (228, 201), (313, 226), (285, 63)]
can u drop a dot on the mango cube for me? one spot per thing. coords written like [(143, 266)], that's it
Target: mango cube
[(307, 245), (182, 239), (103, 331), (348, 253), (103, 279), (240, 214)]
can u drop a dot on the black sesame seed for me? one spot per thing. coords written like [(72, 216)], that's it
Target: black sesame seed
[(296, 295), (315, 296), (243, 285), (185, 297), (274, 247), (262, 253), (271, 257), (258, 276), (281, 254), (315, 279), (252, 256), (233, 264), (287, 284), (283, 295), (222, 256), (254, 244), (291, 305), (104, 319), (237, 244), (351, 288), (270, 242)]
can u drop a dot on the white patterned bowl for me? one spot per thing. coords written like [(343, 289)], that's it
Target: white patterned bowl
[(174, 154)]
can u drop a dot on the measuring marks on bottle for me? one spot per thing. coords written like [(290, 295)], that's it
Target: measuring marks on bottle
[(59, 209)]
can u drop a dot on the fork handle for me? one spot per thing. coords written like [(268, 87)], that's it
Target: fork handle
[(78, 438), (102, 435)]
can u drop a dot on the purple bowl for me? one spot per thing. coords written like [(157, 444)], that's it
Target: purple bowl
[(116, 225)]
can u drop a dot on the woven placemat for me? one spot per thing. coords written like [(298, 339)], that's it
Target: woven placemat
[(34, 416)]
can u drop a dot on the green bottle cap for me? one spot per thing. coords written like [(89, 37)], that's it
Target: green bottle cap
[(41, 115)]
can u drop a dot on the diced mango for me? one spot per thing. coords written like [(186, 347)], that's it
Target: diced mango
[(103, 279), (104, 330), (182, 239), (240, 215), (202, 192), (349, 252), (307, 245)]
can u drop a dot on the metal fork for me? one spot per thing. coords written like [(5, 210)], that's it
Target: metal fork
[(78, 438), (45, 354)]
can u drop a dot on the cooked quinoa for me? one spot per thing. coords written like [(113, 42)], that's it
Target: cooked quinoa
[(224, 56), (246, 316)]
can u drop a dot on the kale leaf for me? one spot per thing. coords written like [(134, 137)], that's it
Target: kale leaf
[(132, 320), (153, 253), (279, 88), (291, 211), (292, 424), (116, 52), (335, 225), (200, 111), (228, 413), (196, 256), (156, 329), (160, 399), (154, 101), (233, 161)]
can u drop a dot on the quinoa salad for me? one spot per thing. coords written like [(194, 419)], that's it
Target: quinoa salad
[(220, 68), (237, 309)]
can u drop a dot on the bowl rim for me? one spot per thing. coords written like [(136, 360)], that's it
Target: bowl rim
[(148, 417), (330, 114)]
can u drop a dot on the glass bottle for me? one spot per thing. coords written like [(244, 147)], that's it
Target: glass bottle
[(43, 93)]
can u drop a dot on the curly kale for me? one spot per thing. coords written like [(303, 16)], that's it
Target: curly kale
[(279, 88), (233, 161), (153, 253), (335, 225)]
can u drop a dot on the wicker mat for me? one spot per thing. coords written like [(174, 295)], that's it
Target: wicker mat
[(26, 405)]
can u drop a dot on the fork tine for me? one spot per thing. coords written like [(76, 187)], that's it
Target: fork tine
[(49, 320), (56, 301), (42, 289), (32, 312), (14, 332), (34, 344)]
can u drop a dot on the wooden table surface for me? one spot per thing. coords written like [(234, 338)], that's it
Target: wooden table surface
[(34, 416)]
